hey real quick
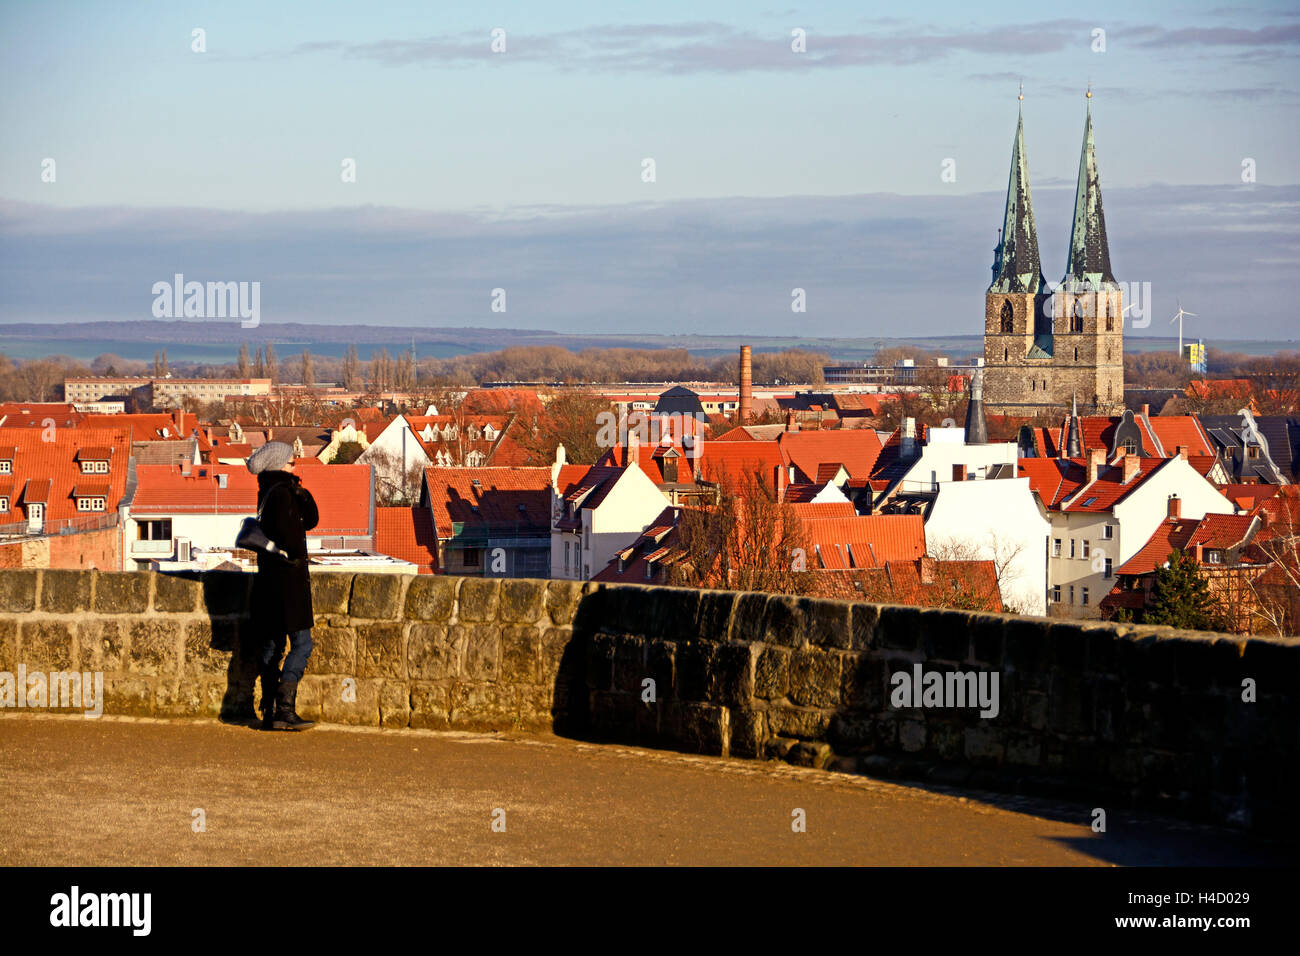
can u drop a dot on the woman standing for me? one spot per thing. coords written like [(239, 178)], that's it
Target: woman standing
[(281, 599)]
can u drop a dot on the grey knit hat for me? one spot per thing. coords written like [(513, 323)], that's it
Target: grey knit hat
[(270, 457)]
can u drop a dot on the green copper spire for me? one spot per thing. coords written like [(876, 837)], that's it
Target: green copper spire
[(1089, 260), (1016, 266)]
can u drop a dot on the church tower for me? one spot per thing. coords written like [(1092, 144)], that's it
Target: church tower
[(1088, 304), (1017, 326), (1045, 351)]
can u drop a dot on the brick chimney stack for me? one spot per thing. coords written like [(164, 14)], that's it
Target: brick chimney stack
[(746, 385), (790, 424), (1096, 458), (1175, 507), (1132, 465)]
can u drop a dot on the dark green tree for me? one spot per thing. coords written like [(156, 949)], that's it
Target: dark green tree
[(1181, 597)]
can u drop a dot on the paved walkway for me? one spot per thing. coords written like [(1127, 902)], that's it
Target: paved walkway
[(118, 791)]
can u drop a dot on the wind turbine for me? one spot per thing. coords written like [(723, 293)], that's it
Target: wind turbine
[(1179, 319)]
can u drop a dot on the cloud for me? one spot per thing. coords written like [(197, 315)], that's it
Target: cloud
[(870, 264)]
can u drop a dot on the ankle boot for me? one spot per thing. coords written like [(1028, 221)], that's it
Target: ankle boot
[(286, 700), (270, 691)]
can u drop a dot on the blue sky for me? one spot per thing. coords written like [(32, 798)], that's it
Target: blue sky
[(523, 169)]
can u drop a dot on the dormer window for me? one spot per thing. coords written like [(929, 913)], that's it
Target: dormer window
[(94, 468), (4, 504), (6, 466), (92, 503)]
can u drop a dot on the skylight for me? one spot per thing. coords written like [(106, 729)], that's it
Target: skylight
[(1090, 502)]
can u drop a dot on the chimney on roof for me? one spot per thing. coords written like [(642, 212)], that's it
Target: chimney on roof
[(977, 432), (178, 416), (926, 567), (958, 472), (1183, 452), (1146, 410), (909, 437), (633, 449), (1132, 465), (185, 468), (1096, 458), (1175, 507), (791, 424), (270, 433), (1200, 553), (746, 385)]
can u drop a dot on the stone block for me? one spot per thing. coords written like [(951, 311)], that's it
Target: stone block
[(480, 706), (431, 597), (1025, 647), (945, 635), (330, 592), (772, 673), (731, 678), (430, 706), (986, 640), (783, 621), (555, 643), (865, 622), (629, 663), (64, 592), (701, 728), (829, 623), (156, 647), (562, 601), (695, 659), (377, 596), (102, 643), (851, 730), (522, 600), (128, 696), (747, 617), (18, 590), (334, 651), (48, 645), (600, 662), (809, 753), (805, 723), (311, 690), (661, 660), (381, 648), (814, 677), (478, 599), (394, 704), (177, 593), (9, 645), (912, 735), (482, 650), (122, 592), (748, 731), (864, 681), (984, 745), (714, 620), (201, 659), (521, 655), (434, 652), (899, 628), (349, 700)]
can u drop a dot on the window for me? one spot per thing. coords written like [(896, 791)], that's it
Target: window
[(1130, 446), (1083, 596), (160, 530), (1071, 593), (470, 558), (4, 505), (1252, 452), (94, 467), (1056, 594), (1085, 547), (1056, 547), (1006, 354), (1108, 572), (1008, 321), (566, 557), (1110, 327), (6, 467), (1072, 555), (90, 504), (1108, 532), (1076, 321), (586, 537), (1214, 557), (1076, 353)]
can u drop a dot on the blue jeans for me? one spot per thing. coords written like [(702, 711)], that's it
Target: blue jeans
[(300, 645)]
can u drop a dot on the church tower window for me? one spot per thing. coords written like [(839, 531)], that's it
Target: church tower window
[(1008, 321), (1076, 320)]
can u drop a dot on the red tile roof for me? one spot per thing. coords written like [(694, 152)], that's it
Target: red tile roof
[(1110, 488), (737, 460), (1053, 479), (824, 509), (407, 534), (48, 471), (1184, 534), (147, 426), (863, 542), (857, 449), (503, 497)]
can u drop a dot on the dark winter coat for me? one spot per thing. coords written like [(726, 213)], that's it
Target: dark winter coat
[(281, 599)]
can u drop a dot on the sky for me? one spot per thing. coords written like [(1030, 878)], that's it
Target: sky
[(868, 169)]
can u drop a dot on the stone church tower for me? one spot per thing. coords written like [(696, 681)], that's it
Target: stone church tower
[(1045, 348)]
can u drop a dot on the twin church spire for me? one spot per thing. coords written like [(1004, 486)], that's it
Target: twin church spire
[(1016, 263)]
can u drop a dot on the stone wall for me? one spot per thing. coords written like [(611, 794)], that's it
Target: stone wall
[(1110, 715)]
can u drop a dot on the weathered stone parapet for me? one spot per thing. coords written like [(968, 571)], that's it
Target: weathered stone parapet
[(1119, 714)]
